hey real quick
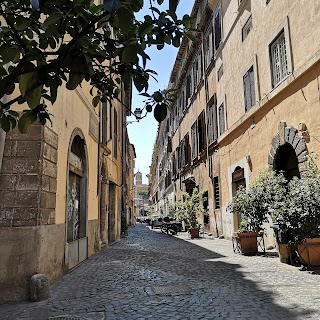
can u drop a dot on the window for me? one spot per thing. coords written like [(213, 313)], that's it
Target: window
[(202, 143), (220, 72), (187, 151), (222, 124), (249, 89), (115, 127), (212, 122), (216, 190), (247, 28), (197, 69), (217, 28), (111, 121), (278, 57), (208, 45), (194, 141), (104, 117)]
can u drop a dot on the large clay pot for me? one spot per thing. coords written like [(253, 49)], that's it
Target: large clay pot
[(194, 232), (287, 253), (247, 241), (309, 252)]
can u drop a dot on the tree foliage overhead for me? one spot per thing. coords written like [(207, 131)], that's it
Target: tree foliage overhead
[(46, 44)]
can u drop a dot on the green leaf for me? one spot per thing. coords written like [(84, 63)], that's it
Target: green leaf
[(149, 107), (53, 19), (173, 5), (129, 53), (160, 2), (176, 41), (95, 101), (111, 5), (160, 112), (33, 97), (22, 23), (28, 81), (191, 36), (74, 80), (25, 121), (5, 123)]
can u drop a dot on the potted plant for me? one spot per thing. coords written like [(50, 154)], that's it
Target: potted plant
[(255, 204), (302, 217), (190, 208)]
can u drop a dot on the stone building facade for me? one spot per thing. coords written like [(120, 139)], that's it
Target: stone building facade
[(62, 190), (248, 95)]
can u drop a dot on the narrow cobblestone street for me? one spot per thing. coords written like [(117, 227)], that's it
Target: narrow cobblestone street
[(150, 275)]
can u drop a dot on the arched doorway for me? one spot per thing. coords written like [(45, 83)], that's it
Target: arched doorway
[(238, 180), (286, 160), (76, 222)]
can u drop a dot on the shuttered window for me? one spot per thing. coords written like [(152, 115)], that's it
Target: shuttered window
[(247, 28), (279, 62), (115, 127), (104, 117), (222, 124), (212, 122), (202, 143), (217, 28), (208, 44), (194, 141), (249, 89)]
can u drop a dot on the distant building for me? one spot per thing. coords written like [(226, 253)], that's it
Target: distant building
[(141, 201)]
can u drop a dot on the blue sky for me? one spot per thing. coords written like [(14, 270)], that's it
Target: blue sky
[(143, 134)]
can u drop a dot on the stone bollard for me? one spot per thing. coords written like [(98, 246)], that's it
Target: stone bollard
[(39, 287)]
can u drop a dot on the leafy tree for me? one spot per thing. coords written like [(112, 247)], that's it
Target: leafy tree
[(46, 44), (266, 196), (144, 193), (191, 207)]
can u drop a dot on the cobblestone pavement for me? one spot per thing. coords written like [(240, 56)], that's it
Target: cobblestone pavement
[(150, 275)]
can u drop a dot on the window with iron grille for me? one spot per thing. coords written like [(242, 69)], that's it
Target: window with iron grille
[(202, 143), (222, 124), (249, 89), (194, 141), (278, 57), (212, 121), (247, 28), (216, 190)]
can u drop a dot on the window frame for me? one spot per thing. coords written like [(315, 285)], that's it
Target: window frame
[(283, 27)]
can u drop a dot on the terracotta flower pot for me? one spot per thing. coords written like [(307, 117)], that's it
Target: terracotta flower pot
[(247, 241), (286, 252), (194, 232), (309, 252)]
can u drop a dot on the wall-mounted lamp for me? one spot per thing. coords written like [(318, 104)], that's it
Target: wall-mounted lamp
[(138, 115)]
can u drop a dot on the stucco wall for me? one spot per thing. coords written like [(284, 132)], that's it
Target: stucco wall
[(25, 252)]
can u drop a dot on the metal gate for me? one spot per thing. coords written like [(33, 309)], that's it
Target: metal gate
[(76, 215)]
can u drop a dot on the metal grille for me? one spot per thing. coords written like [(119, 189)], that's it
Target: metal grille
[(170, 289), (279, 59)]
